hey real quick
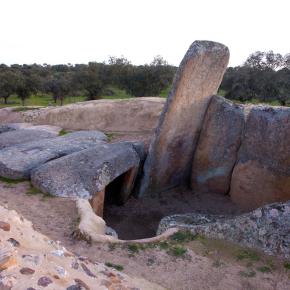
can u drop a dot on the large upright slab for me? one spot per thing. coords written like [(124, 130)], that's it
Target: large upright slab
[(170, 155), (262, 171)]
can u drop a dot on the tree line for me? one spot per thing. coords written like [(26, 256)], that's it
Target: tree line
[(265, 77), (90, 80)]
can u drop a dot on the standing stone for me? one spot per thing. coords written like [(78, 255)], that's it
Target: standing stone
[(170, 155), (262, 172), (217, 147)]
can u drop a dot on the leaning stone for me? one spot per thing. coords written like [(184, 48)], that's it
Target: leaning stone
[(265, 229), (217, 147), (83, 174), (262, 172), (16, 137), (17, 162), (198, 78)]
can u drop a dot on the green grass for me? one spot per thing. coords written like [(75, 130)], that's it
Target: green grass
[(62, 132), (287, 265), (164, 93), (177, 251), (115, 266), (264, 269), (183, 237), (247, 255), (110, 136), (44, 100), (11, 181), (23, 109)]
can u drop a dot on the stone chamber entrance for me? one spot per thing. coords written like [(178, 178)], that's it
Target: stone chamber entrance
[(139, 218)]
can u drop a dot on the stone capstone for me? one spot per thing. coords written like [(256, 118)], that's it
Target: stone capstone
[(262, 171), (16, 137), (266, 228), (16, 162), (218, 146), (83, 174), (171, 152)]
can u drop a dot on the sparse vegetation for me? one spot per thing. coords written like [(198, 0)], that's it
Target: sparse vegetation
[(177, 251), (247, 255), (287, 265), (247, 274), (115, 266), (11, 181), (110, 136), (264, 269), (62, 132)]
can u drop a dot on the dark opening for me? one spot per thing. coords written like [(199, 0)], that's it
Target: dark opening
[(113, 190)]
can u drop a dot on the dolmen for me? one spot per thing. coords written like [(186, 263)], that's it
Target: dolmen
[(85, 174)]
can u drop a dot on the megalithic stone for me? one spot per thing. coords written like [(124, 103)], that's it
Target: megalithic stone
[(170, 155)]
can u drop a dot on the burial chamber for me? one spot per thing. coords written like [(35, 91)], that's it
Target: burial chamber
[(202, 142)]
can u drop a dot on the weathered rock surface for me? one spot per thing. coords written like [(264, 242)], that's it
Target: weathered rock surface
[(39, 262), (16, 162), (266, 228), (218, 146), (85, 173), (128, 115), (171, 152), (262, 172), (15, 137)]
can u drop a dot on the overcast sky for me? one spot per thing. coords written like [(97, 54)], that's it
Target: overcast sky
[(79, 31)]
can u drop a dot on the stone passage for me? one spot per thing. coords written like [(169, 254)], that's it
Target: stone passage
[(170, 155)]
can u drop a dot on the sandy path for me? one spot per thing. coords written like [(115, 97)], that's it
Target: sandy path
[(201, 267)]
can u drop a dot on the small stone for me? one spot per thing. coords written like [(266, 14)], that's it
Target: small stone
[(87, 270), (27, 271), (13, 242), (75, 265), (44, 281), (30, 288), (74, 287), (4, 226), (82, 284)]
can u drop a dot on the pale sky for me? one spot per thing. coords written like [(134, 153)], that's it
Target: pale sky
[(79, 31)]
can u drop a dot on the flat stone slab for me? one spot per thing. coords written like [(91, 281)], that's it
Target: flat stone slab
[(16, 137), (171, 152), (218, 146), (83, 174), (18, 126), (16, 162), (266, 228)]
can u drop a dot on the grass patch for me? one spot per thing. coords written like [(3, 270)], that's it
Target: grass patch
[(287, 265), (62, 132), (264, 269), (34, 191), (247, 255), (11, 181), (248, 274), (115, 266), (177, 251), (183, 237), (133, 248), (23, 109), (110, 136)]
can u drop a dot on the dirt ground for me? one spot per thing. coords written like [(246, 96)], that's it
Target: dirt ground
[(190, 265)]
